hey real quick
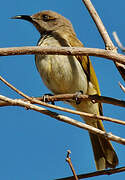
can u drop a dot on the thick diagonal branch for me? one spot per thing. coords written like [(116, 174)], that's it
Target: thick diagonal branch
[(104, 34)]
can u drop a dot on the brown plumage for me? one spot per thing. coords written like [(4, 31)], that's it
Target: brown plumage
[(68, 74)]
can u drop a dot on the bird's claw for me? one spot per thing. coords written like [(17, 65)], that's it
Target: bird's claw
[(77, 98), (46, 96)]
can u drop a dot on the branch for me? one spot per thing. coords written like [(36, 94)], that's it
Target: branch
[(101, 28), (66, 97), (118, 41), (68, 159), (63, 119), (14, 88), (37, 101), (103, 32), (63, 51), (122, 87), (96, 173), (92, 116)]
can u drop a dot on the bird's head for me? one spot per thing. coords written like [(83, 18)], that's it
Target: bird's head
[(48, 21)]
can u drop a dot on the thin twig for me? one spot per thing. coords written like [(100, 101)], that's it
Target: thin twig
[(96, 173), (118, 41), (14, 88), (68, 159), (66, 97), (122, 87), (64, 119)]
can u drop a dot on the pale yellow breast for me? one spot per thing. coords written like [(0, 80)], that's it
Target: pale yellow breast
[(61, 74)]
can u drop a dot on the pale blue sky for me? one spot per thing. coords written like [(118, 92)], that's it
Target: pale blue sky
[(33, 146)]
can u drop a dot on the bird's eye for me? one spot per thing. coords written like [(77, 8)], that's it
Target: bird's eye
[(46, 17)]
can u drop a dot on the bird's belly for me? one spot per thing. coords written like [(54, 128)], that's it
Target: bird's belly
[(61, 74)]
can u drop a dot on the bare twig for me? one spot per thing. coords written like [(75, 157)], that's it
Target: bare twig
[(67, 97), (122, 87), (96, 173), (14, 88), (63, 119), (68, 159), (118, 41), (63, 51)]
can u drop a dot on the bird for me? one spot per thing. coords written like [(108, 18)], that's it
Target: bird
[(70, 74)]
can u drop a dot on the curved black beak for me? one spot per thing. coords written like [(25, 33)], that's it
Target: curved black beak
[(30, 19), (23, 17)]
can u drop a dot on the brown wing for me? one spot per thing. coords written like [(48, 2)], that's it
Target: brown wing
[(87, 67)]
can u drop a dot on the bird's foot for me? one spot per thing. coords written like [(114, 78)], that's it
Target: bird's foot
[(46, 98), (77, 98)]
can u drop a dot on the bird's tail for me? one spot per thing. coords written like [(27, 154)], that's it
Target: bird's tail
[(104, 153)]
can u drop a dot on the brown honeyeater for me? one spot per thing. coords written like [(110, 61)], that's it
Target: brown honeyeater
[(70, 74)]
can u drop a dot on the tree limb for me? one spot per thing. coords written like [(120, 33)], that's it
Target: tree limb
[(37, 101), (66, 97), (110, 55), (63, 119), (104, 34)]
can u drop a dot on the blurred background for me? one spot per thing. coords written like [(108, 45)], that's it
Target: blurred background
[(33, 146)]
